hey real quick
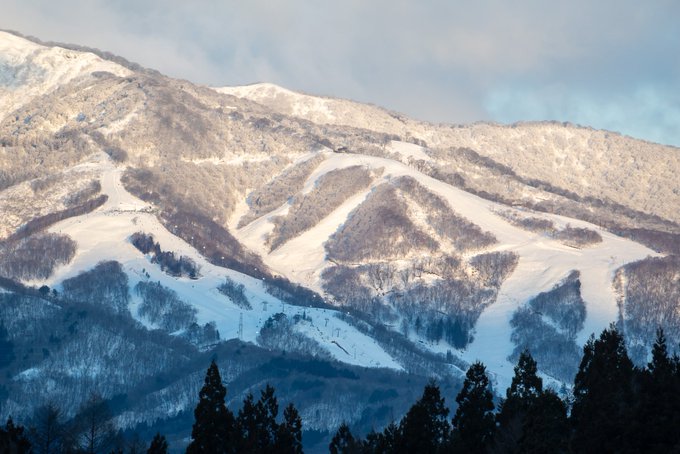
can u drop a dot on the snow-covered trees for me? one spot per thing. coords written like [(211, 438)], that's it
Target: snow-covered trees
[(235, 292), (36, 256), (162, 307), (648, 293), (106, 284), (307, 209), (547, 326), (169, 263)]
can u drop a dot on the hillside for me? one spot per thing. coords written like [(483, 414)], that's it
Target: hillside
[(305, 228)]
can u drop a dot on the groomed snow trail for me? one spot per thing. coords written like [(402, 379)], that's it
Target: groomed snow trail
[(103, 235), (543, 262)]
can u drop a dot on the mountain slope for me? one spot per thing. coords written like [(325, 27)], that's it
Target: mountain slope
[(385, 242)]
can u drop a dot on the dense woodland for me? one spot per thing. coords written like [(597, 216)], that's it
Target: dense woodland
[(614, 407)]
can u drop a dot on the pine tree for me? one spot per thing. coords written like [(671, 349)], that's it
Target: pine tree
[(474, 421), (603, 395), (267, 410), (213, 430), (425, 427), (384, 442), (159, 445), (520, 397), (657, 412), (289, 434), (13, 440), (256, 423), (546, 426), (343, 442)]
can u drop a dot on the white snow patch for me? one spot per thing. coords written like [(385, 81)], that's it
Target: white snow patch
[(103, 235), (28, 70), (409, 150), (542, 264)]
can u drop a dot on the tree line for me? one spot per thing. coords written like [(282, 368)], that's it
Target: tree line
[(613, 407)]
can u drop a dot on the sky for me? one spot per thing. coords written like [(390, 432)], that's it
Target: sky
[(608, 64)]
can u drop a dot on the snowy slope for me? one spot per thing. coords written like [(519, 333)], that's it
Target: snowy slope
[(593, 163), (28, 70), (600, 164), (318, 109), (543, 262), (103, 235)]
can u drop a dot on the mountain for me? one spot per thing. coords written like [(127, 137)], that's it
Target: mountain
[(341, 251)]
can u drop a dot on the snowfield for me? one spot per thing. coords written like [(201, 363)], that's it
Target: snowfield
[(598, 165), (103, 235), (28, 70), (543, 262)]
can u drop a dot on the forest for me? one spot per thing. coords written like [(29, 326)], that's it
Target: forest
[(613, 406)]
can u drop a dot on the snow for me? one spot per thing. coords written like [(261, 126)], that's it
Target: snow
[(543, 262), (28, 70), (103, 235), (409, 150), (298, 104)]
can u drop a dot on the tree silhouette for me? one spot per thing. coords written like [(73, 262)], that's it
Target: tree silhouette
[(520, 397), (602, 395), (425, 427), (289, 434), (343, 442), (474, 420), (657, 414), (159, 445), (47, 429), (545, 426), (13, 440), (214, 423), (93, 428)]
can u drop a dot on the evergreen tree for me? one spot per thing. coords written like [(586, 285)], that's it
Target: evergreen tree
[(603, 396), (159, 445), (343, 442), (267, 410), (546, 426), (289, 434), (657, 412), (213, 430), (13, 440), (257, 422), (246, 424), (520, 397), (474, 420), (425, 427), (382, 443)]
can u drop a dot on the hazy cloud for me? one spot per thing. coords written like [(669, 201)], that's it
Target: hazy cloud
[(611, 64)]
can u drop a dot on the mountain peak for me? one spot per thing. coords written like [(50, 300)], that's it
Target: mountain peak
[(28, 69)]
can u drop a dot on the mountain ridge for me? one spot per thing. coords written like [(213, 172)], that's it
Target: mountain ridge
[(430, 244)]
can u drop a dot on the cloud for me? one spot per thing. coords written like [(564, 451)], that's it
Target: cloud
[(438, 60), (647, 112)]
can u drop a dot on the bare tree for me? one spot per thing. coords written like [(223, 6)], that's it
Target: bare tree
[(47, 429), (94, 432)]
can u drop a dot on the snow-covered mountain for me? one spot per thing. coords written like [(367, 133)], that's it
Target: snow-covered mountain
[(408, 248)]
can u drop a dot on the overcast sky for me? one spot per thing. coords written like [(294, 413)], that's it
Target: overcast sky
[(611, 64)]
